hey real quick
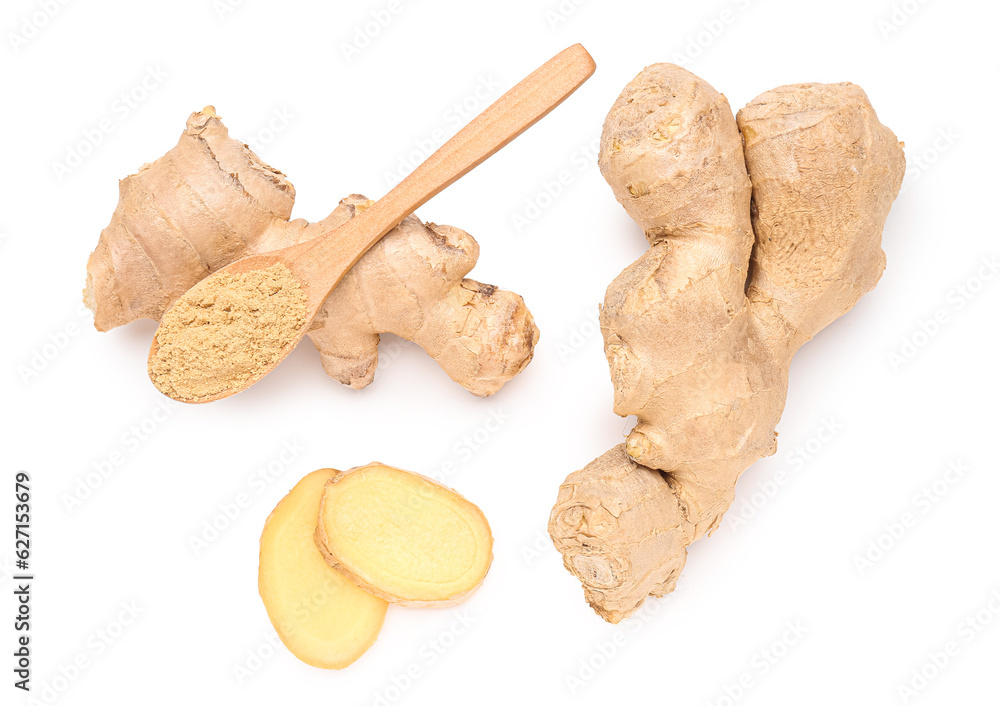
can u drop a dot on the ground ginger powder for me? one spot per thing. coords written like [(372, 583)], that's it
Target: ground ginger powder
[(225, 331)]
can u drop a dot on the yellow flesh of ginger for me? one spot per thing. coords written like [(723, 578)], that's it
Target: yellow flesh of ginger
[(322, 617), (404, 537)]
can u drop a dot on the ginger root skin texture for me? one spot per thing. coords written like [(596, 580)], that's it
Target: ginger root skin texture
[(211, 201), (403, 537), (763, 229), (321, 616)]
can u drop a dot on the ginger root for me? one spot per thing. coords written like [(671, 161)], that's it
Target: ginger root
[(322, 617), (210, 201), (700, 331), (403, 537)]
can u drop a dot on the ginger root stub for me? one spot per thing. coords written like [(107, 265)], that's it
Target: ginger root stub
[(321, 616), (403, 537), (699, 332)]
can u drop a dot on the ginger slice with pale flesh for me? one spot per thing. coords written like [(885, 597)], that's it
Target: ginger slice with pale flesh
[(321, 616), (403, 537)]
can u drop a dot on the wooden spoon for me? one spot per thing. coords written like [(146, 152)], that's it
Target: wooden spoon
[(319, 264)]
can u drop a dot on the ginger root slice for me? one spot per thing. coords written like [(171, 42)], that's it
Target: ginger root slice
[(321, 616), (210, 201), (403, 537), (700, 331)]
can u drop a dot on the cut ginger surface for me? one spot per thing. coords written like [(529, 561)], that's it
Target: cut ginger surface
[(321, 616), (403, 537)]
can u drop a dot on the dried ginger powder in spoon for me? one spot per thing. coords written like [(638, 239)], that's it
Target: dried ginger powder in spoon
[(225, 331)]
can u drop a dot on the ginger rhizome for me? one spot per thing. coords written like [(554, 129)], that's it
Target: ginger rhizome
[(210, 201), (403, 537), (763, 229), (321, 616)]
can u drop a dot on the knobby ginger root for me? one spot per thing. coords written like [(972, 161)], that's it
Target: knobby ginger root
[(210, 201), (322, 617), (403, 537), (700, 331)]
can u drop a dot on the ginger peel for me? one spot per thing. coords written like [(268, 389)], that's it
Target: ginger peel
[(210, 201), (700, 331)]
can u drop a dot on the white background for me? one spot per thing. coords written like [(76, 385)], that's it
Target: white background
[(930, 70)]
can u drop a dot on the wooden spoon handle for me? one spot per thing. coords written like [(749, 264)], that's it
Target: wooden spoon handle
[(513, 113)]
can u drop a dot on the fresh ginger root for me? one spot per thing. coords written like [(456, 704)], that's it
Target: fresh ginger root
[(403, 537), (700, 331), (323, 618), (210, 201)]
